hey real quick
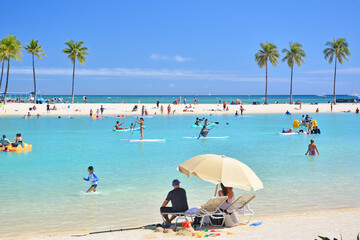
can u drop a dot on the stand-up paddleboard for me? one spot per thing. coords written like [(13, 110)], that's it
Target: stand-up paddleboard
[(147, 140), (208, 137), (127, 129), (292, 133)]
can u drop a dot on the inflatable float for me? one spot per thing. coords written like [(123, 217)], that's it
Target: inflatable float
[(200, 126), (296, 124), (95, 117), (19, 148)]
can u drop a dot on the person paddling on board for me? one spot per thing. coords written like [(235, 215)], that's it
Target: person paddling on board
[(117, 126), (197, 122), (204, 132), (141, 123), (206, 123)]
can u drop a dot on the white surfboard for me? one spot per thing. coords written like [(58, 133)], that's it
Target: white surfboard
[(208, 137), (146, 140), (292, 133)]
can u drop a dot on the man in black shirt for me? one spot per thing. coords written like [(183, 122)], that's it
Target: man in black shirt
[(178, 200)]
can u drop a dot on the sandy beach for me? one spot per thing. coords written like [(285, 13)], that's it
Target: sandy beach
[(304, 225), (20, 109)]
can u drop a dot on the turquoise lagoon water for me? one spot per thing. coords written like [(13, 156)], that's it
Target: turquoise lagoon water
[(42, 190), (202, 98)]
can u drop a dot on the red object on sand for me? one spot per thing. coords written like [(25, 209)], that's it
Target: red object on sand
[(186, 224)]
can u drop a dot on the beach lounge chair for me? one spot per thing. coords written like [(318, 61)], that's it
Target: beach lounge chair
[(241, 206), (210, 209)]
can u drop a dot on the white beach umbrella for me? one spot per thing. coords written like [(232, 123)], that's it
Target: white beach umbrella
[(221, 169)]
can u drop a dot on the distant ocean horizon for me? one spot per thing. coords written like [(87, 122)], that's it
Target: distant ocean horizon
[(206, 99)]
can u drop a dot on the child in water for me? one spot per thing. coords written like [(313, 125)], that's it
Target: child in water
[(92, 178)]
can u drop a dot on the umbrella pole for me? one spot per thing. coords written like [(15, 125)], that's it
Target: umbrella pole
[(217, 185)]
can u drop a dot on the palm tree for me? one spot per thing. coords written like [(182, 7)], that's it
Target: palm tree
[(339, 49), (2, 60), (35, 49), (268, 52), (12, 49), (294, 55), (75, 52)]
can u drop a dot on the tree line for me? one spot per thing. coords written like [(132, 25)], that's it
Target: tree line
[(10, 48), (336, 50)]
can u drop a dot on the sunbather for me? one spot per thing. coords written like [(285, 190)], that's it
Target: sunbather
[(226, 191)]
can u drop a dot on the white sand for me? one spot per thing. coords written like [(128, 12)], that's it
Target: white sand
[(306, 225), (125, 109)]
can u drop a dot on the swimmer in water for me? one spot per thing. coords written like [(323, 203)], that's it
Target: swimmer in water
[(204, 132), (312, 149), (141, 123), (132, 126)]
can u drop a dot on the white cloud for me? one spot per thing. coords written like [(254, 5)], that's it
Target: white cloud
[(176, 58), (355, 70), (151, 74)]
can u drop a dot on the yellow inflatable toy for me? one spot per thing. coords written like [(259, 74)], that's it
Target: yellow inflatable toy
[(315, 123), (296, 124), (19, 148)]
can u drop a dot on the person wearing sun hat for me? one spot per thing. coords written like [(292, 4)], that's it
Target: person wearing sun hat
[(178, 199)]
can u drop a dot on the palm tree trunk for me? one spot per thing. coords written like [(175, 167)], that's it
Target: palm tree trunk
[(73, 84), (266, 84), (335, 80), (7, 79), (2, 71), (34, 78), (291, 81)]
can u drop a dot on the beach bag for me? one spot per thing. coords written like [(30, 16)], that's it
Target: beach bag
[(231, 220)]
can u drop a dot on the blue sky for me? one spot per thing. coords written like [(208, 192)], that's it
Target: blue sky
[(182, 47)]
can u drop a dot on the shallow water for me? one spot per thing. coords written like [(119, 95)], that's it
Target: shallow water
[(43, 191)]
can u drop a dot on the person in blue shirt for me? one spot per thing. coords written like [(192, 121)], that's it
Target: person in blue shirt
[(92, 178), (4, 141)]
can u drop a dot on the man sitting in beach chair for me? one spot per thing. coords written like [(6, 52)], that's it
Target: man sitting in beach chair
[(178, 199)]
